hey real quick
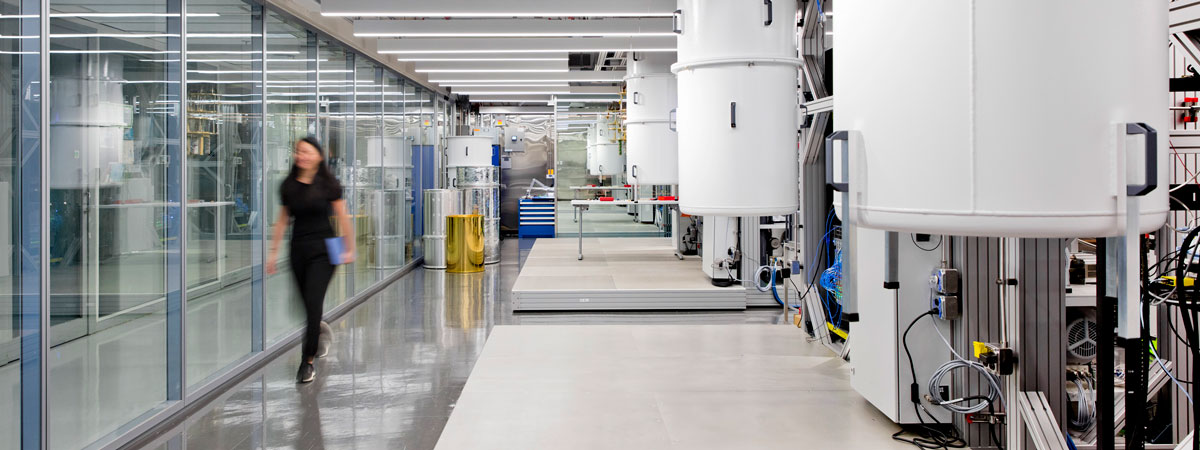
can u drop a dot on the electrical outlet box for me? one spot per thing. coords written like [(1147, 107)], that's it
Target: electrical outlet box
[(947, 307), (944, 281)]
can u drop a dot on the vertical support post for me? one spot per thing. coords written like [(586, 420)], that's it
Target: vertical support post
[(1105, 324), (349, 162), (314, 79), (380, 199), (175, 215), (33, 245), (1136, 365), (1010, 332), (258, 196)]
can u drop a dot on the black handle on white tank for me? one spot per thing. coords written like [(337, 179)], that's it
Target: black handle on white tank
[(1151, 182), (843, 136)]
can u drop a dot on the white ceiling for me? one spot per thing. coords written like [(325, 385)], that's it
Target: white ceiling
[(516, 51)]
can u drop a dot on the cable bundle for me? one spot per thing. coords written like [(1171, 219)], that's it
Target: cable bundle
[(1085, 416), (831, 278)]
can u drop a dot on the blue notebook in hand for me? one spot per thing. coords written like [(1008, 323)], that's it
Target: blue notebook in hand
[(335, 248)]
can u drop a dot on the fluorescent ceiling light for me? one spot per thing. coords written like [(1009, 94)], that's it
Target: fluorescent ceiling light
[(513, 34), (492, 70), (508, 100), (590, 100), (508, 27), (460, 15), (476, 59), (507, 8), (525, 45), (531, 92), (511, 82), (114, 35), (592, 49), (568, 77), (456, 86), (493, 67)]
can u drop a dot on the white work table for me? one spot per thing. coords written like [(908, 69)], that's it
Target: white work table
[(576, 189), (583, 205)]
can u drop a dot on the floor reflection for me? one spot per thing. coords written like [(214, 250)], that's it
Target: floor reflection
[(396, 368)]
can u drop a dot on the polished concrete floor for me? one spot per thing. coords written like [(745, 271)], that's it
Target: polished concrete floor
[(602, 221), (617, 274), (635, 387), (398, 366)]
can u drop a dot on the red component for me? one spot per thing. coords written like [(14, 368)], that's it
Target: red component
[(606, 199), (629, 185), (592, 185), (666, 197), (1191, 100)]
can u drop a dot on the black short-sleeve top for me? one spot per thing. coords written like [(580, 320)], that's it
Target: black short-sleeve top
[(311, 207)]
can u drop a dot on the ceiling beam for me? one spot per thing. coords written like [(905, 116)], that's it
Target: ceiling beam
[(507, 8), (513, 28), (526, 45)]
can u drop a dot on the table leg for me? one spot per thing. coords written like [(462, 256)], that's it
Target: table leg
[(580, 212)]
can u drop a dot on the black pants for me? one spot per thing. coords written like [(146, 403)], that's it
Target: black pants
[(312, 269)]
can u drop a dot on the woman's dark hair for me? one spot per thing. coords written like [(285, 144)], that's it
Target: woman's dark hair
[(324, 177)]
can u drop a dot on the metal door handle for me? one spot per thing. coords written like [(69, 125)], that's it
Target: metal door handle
[(677, 21), (633, 170), (843, 136), (732, 114), (671, 124), (636, 97), (1138, 190), (770, 13)]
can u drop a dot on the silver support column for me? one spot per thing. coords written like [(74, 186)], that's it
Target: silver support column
[(33, 247), (176, 214), (258, 26)]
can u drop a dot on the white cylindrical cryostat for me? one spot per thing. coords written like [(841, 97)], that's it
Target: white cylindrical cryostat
[(986, 132), (652, 156), (737, 76), (469, 151)]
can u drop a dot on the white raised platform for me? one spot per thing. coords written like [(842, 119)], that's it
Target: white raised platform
[(617, 274), (633, 387)]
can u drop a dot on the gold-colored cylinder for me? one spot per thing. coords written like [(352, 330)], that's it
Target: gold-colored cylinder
[(464, 243)]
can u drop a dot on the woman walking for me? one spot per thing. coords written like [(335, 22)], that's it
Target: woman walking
[(309, 197)]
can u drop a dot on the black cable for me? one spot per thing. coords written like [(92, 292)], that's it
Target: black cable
[(992, 427), (1189, 323), (932, 438), (939, 244)]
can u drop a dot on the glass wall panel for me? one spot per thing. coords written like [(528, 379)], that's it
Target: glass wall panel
[(335, 125), (369, 155), (223, 128), (291, 115), (109, 115), (395, 237), (11, 117)]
